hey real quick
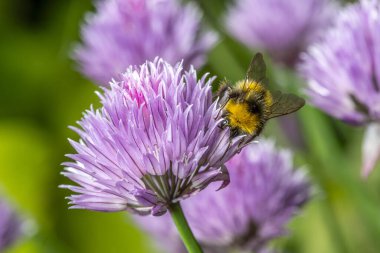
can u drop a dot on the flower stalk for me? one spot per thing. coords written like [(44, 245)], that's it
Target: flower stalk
[(184, 230)]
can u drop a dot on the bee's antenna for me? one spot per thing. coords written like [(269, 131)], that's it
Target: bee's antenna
[(220, 109), (223, 96), (248, 141)]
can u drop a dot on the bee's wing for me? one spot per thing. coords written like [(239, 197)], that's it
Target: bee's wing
[(257, 69), (284, 103)]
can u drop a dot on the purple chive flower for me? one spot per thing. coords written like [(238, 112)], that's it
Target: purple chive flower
[(264, 194), (124, 33), (156, 140), (10, 226), (343, 73), (283, 28)]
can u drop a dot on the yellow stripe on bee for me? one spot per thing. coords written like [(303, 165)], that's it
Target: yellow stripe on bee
[(250, 86), (240, 117)]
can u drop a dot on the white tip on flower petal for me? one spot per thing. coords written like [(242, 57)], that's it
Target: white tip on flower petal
[(371, 148)]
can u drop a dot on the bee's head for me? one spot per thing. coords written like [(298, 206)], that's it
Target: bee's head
[(236, 94)]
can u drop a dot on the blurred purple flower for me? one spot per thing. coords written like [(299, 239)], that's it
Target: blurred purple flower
[(124, 33), (156, 140), (343, 72), (264, 194), (283, 28), (10, 226)]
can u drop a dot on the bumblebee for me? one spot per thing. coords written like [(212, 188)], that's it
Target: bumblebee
[(248, 104)]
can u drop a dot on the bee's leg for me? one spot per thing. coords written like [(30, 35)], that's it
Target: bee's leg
[(223, 124), (223, 96), (222, 103), (249, 140), (234, 131), (224, 86)]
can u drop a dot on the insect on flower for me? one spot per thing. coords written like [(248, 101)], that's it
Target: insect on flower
[(247, 105)]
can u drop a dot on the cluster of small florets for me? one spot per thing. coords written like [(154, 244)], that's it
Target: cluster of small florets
[(158, 137), (156, 140), (123, 33), (352, 91), (265, 192)]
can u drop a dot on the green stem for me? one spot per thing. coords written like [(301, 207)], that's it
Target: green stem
[(184, 230)]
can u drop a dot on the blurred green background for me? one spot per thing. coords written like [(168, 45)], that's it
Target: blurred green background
[(41, 94)]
